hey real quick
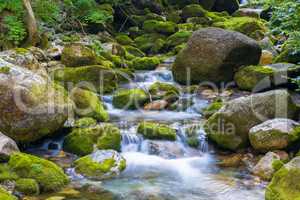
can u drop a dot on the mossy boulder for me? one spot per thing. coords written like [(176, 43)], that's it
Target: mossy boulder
[(100, 165), (285, 183), (75, 55), (146, 42), (193, 10), (48, 175), (129, 98), (178, 38), (124, 39), (145, 63), (254, 28), (165, 91), (267, 166), (260, 77), (27, 186), (103, 79), (162, 27), (274, 134), (214, 54), (7, 147), (85, 122), (134, 51), (5, 195), (6, 174), (229, 127), (88, 104), (25, 115), (156, 131), (229, 6), (110, 138)]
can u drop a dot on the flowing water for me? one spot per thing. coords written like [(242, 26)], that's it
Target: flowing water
[(170, 170)]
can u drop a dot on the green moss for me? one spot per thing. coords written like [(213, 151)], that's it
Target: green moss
[(178, 38), (277, 164), (156, 131), (89, 168), (193, 10), (193, 142), (189, 27), (146, 42), (49, 176), (70, 38), (85, 122), (4, 195), (153, 26), (124, 39), (110, 139), (248, 77), (217, 17), (75, 55), (145, 63), (79, 142), (102, 78), (134, 51), (21, 51), (6, 174), (88, 104), (27, 186), (4, 70), (131, 98), (212, 108), (161, 90), (249, 26)]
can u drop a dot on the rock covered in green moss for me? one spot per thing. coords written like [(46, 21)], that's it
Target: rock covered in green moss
[(27, 186), (178, 38), (102, 78), (285, 183), (6, 174), (130, 98), (85, 122), (157, 131), (110, 138), (124, 39), (213, 54), (153, 26), (134, 51), (88, 104), (5, 195), (267, 166), (27, 118), (100, 165), (48, 175), (229, 127), (212, 108), (254, 28), (146, 42), (145, 63), (75, 55), (193, 10), (165, 91), (260, 77), (274, 134)]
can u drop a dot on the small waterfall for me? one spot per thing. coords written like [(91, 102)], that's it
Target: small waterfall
[(131, 142)]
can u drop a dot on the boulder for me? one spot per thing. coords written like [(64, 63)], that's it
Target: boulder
[(267, 166), (7, 147), (100, 165), (75, 55), (31, 106), (145, 63), (226, 5), (213, 54), (261, 77), (156, 131), (156, 105), (130, 98), (274, 134), (48, 175), (166, 91), (94, 77), (285, 182), (88, 104), (27, 186), (229, 127), (193, 10)]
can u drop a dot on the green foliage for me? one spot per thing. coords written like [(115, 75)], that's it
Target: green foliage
[(46, 10), (15, 6), (16, 31)]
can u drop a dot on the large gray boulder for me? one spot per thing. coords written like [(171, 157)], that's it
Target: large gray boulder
[(214, 54), (274, 134), (31, 106), (7, 147), (229, 127)]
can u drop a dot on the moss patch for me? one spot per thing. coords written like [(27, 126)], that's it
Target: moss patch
[(156, 131)]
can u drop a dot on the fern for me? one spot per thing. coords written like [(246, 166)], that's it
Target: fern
[(16, 31), (46, 10)]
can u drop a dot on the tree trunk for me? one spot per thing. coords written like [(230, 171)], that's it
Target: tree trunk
[(33, 37)]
